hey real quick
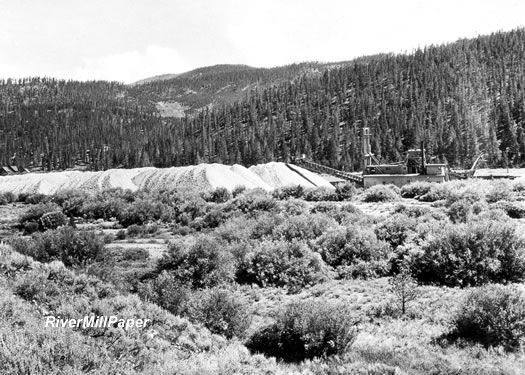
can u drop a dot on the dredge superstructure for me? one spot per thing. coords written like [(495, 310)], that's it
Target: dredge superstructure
[(414, 168)]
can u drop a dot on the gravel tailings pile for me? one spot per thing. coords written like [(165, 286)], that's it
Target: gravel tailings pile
[(201, 177), (280, 175)]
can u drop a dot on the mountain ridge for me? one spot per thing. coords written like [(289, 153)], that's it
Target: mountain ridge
[(213, 86)]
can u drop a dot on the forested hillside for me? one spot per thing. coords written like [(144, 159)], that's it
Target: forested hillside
[(461, 99), (216, 85)]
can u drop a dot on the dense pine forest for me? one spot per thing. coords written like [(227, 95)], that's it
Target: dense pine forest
[(460, 99)]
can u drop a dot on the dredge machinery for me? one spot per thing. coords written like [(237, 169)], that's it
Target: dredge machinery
[(414, 168)]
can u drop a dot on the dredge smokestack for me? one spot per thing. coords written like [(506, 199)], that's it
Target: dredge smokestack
[(423, 159), (367, 154)]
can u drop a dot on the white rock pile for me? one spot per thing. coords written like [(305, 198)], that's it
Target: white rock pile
[(200, 177)]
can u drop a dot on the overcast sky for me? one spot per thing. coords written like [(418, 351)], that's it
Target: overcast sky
[(127, 40)]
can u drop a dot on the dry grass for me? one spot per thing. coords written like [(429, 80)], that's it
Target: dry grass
[(155, 250)]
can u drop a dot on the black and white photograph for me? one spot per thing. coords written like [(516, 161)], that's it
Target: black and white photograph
[(262, 187)]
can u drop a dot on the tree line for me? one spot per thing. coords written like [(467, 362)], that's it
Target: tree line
[(460, 99)]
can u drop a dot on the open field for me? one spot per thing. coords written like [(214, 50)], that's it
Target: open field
[(229, 278)]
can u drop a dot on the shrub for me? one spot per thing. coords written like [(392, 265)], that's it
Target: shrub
[(434, 216), (236, 228), (125, 268), (182, 230), (416, 189), (107, 238), (518, 185), (345, 246), (126, 254), (471, 254), (94, 208), (395, 229), (141, 211), (42, 217), (341, 213), (350, 208), (320, 194), (31, 227), (437, 192), (71, 247), (7, 197), (500, 191), (53, 283), (219, 195), (52, 220), (151, 228), (325, 208), (381, 193), (12, 263), (460, 211), (189, 210), (292, 191), (127, 196), (221, 311), (140, 230), (121, 234), (33, 198), (492, 214), (34, 213), (360, 269), (134, 230), (345, 191), (168, 196), (303, 227), (294, 206), (35, 285), (238, 190), (468, 195), (167, 292), (412, 211), (253, 200), (71, 201), (515, 210), (385, 309), (279, 263), (204, 264), (265, 224), (212, 219), (492, 315), (308, 329)]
